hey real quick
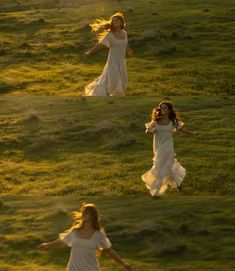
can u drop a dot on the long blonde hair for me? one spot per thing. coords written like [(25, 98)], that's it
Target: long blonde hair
[(102, 26), (77, 216)]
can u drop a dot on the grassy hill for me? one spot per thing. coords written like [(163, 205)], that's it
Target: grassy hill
[(75, 145), (181, 47), (170, 234)]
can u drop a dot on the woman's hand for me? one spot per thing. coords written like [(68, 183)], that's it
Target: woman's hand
[(129, 51), (127, 266), (43, 246)]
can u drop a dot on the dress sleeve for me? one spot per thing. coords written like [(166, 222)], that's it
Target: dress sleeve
[(66, 238), (126, 35), (104, 241), (106, 40)]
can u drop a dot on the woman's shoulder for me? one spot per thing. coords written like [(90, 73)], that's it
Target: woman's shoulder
[(106, 34), (125, 32), (172, 124), (74, 230), (151, 123), (101, 233), (67, 234)]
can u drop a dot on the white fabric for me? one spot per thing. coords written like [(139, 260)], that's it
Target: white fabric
[(83, 251), (113, 79), (166, 171)]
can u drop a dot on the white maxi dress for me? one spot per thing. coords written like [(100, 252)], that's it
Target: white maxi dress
[(166, 171), (83, 251), (114, 79)]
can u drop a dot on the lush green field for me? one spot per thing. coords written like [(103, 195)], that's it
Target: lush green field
[(170, 234), (75, 145), (181, 47)]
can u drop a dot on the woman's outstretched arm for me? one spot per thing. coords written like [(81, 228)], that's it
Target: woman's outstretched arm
[(95, 49), (185, 131), (53, 244), (113, 254)]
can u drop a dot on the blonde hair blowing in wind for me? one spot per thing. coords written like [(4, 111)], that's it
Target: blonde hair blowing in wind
[(102, 26), (91, 209)]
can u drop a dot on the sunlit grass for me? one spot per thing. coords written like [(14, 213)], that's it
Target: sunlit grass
[(187, 50), (171, 234), (74, 145)]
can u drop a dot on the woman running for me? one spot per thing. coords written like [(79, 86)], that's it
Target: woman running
[(113, 80), (86, 238), (166, 171)]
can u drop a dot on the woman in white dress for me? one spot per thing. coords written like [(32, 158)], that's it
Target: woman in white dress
[(113, 80), (86, 238), (166, 171)]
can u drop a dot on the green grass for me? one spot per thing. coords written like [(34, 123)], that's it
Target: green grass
[(75, 145), (170, 234), (181, 47)]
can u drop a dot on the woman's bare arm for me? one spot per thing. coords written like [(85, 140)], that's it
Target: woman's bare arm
[(113, 254), (53, 244), (95, 49), (185, 131)]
